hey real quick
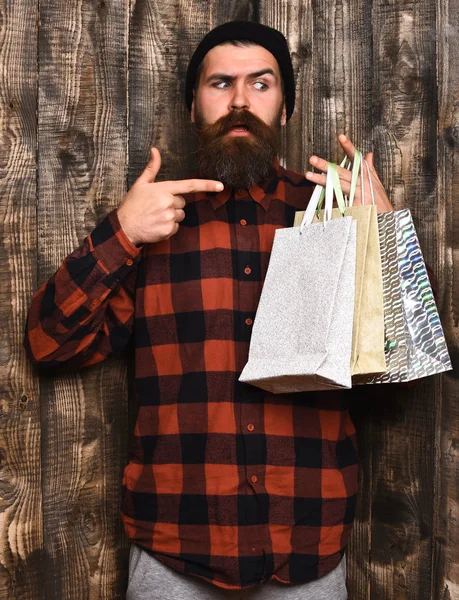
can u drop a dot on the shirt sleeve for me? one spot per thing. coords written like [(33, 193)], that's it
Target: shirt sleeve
[(85, 311)]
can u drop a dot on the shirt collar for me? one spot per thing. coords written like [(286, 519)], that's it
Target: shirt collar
[(261, 193)]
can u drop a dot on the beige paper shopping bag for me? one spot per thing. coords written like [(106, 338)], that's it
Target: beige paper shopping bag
[(368, 355)]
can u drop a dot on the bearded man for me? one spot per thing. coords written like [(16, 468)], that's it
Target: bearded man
[(230, 492)]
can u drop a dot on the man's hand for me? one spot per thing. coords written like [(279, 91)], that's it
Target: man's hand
[(381, 198), (151, 211)]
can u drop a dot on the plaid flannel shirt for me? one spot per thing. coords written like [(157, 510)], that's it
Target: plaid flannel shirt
[(225, 481)]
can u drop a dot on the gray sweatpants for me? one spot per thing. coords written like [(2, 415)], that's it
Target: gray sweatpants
[(149, 579)]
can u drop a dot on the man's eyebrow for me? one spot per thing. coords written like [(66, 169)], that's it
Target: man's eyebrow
[(262, 72), (226, 77), (223, 76)]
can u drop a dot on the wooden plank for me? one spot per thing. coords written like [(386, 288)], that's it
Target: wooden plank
[(21, 531), (82, 159), (161, 40), (358, 552), (446, 552), (294, 20), (233, 10), (405, 115), (341, 87)]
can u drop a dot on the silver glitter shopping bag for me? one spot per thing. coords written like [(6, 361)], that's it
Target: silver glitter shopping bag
[(302, 333), (415, 346)]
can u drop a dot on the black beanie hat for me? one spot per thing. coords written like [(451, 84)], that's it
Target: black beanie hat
[(265, 36)]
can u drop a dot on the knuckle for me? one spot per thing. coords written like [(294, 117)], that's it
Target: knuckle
[(169, 213), (164, 201), (172, 229)]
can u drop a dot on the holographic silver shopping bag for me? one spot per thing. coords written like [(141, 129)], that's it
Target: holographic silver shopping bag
[(415, 346)]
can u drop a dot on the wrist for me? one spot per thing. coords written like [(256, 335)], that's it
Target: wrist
[(124, 224)]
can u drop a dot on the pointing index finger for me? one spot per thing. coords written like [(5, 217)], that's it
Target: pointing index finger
[(187, 186)]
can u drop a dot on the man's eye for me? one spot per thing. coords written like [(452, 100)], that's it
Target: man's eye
[(260, 85), (221, 85)]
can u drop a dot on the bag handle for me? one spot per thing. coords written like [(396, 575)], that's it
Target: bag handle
[(370, 179), (355, 175), (332, 187), (319, 205), (358, 164)]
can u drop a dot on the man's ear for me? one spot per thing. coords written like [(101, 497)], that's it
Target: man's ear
[(193, 113), (284, 115)]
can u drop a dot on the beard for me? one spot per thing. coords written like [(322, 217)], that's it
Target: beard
[(237, 161)]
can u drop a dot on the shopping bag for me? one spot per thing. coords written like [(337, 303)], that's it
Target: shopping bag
[(415, 345), (302, 332), (368, 356), (395, 341)]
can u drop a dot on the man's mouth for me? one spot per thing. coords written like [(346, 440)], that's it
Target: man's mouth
[(239, 130)]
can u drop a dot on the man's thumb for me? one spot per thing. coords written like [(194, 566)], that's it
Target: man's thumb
[(152, 168)]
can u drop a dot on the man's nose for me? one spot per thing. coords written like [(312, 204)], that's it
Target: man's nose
[(239, 98)]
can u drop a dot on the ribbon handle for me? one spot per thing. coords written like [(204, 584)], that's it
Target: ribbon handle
[(354, 177), (358, 164), (332, 187)]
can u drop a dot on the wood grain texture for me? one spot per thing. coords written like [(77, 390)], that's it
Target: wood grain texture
[(111, 83), (162, 36), (232, 10), (445, 563), (403, 437), (342, 75), (82, 157), (294, 20), (21, 530)]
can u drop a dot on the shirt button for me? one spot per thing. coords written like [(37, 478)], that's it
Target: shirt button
[(95, 302), (248, 321), (254, 479), (250, 427), (247, 270), (243, 222), (129, 261)]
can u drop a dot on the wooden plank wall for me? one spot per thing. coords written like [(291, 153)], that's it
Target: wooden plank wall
[(87, 88)]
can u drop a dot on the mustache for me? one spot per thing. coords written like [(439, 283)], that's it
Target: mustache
[(223, 125), (237, 161)]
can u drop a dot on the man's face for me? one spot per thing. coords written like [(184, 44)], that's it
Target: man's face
[(238, 111), (233, 78)]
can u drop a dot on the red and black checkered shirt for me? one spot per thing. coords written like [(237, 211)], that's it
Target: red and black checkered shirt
[(225, 481)]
